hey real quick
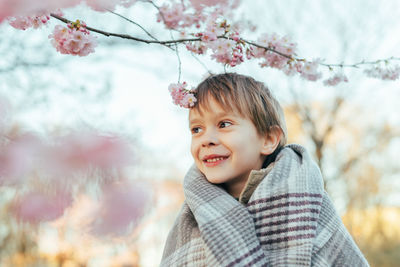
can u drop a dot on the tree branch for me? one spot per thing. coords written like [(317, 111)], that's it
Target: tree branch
[(197, 39), (135, 23)]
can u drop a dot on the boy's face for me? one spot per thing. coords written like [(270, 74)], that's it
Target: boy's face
[(225, 146)]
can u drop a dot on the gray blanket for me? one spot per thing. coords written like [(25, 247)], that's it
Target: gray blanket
[(288, 221)]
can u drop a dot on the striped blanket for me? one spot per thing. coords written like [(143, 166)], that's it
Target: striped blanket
[(288, 221)]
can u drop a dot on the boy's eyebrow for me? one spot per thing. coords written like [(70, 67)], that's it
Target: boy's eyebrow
[(195, 120), (217, 115)]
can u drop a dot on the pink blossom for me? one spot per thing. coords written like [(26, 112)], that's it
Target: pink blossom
[(5, 108), (200, 4), (83, 151), (309, 70), (208, 36), (336, 79), (196, 47), (17, 158), (74, 40), (387, 73), (292, 67), (189, 100), (227, 51), (35, 206), (182, 96), (105, 5), (121, 205), (212, 31), (272, 59), (17, 8), (171, 15), (24, 23)]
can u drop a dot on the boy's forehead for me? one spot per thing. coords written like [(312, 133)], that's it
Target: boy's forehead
[(212, 110)]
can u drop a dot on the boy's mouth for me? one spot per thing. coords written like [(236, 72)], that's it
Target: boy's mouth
[(214, 160)]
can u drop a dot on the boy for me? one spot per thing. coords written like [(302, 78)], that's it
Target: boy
[(249, 199)]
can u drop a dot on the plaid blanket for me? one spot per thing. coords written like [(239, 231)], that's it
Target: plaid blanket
[(288, 221)]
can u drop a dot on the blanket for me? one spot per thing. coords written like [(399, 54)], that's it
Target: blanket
[(289, 220)]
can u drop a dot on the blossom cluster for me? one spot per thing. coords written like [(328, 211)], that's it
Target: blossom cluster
[(74, 39), (384, 73), (336, 79), (203, 23), (25, 22), (20, 8), (181, 95), (50, 172), (270, 58), (180, 16)]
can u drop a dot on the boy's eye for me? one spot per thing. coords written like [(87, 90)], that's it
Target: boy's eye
[(195, 130), (224, 124)]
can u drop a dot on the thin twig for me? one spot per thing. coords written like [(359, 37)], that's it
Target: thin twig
[(201, 63), (356, 65), (172, 37), (135, 23)]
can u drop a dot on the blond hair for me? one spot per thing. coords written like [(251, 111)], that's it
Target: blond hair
[(243, 94)]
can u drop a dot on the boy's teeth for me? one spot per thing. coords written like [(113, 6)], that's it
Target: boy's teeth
[(214, 159)]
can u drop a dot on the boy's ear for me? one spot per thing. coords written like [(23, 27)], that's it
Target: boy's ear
[(271, 141)]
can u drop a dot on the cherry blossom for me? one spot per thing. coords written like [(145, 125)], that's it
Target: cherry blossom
[(5, 108), (18, 8), (384, 73), (105, 5), (74, 40), (336, 79), (39, 206), (121, 205), (171, 15), (227, 51), (270, 58), (309, 70), (26, 22), (200, 4), (196, 47), (17, 158), (81, 151), (182, 96)]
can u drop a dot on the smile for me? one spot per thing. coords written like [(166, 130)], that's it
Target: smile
[(211, 162)]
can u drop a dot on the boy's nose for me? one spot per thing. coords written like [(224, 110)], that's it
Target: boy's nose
[(209, 139)]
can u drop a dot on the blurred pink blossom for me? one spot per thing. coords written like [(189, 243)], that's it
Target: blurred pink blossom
[(336, 79), (384, 73), (196, 47), (105, 5), (309, 70), (203, 3), (35, 206), (5, 108), (17, 8), (25, 22), (171, 14), (83, 151), (121, 205), (17, 158)]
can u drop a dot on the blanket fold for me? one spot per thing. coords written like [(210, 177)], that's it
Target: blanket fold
[(288, 221)]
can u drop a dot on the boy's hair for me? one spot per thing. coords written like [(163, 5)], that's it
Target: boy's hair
[(242, 94)]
